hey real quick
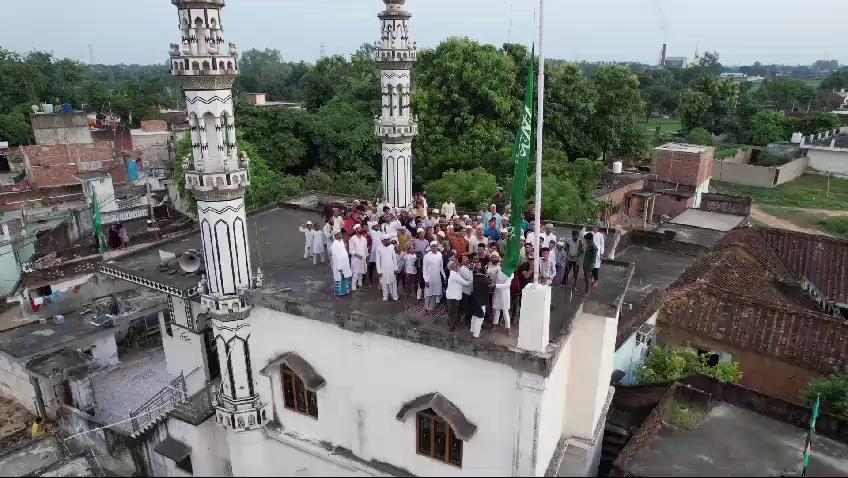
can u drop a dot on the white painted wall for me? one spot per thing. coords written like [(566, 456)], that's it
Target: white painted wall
[(835, 162), (105, 350), (185, 352), (15, 384), (209, 449), (369, 377), (702, 189)]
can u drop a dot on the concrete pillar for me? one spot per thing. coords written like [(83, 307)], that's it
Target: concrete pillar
[(39, 398), (593, 334), (534, 331), (530, 389)]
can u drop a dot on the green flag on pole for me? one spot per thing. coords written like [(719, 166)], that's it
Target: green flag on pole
[(521, 154), (98, 233), (808, 447)]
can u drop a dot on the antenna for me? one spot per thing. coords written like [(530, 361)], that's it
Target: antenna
[(92, 60), (323, 53)]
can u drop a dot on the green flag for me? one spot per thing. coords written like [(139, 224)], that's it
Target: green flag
[(521, 159), (98, 234), (808, 447)]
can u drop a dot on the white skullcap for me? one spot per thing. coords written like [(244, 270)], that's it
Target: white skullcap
[(420, 230), (434, 243), (440, 234), (308, 223)]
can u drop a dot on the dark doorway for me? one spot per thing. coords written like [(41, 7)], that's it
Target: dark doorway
[(211, 354)]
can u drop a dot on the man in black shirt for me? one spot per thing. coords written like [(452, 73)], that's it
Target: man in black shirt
[(481, 288)]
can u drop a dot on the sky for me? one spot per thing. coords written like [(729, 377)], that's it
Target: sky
[(742, 31)]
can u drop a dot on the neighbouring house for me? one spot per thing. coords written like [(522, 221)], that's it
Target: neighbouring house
[(616, 188), (774, 300), (660, 257), (261, 100), (685, 165), (828, 151), (702, 427), (61, 128)]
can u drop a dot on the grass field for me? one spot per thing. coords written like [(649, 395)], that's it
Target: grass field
[(834, 226), (808, 192), (667, 125), (813, 83)]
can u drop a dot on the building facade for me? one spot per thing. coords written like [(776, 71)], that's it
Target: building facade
[(396, 127)]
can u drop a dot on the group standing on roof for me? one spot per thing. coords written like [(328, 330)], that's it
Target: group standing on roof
[(436, 256)]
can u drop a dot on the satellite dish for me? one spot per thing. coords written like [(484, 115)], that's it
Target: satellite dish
[(190, 262)]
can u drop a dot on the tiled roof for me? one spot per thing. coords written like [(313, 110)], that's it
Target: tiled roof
[(748, 292), (821, 260)]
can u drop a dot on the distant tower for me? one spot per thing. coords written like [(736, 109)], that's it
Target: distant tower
[(92, 60), (323, 53), (396, 127), (218, 178)]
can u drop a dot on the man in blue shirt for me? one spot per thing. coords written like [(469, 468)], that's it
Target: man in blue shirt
[(493, 232)]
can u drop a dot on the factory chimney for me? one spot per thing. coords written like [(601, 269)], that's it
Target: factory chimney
[(662, 56)]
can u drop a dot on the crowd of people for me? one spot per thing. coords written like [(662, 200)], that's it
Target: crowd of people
[(439, 255)]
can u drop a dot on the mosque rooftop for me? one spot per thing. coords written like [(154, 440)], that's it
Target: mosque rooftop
[(296, 286)]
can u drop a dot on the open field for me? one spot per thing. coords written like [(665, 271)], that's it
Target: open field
[(667, 125), (808, 192), (806, 220)]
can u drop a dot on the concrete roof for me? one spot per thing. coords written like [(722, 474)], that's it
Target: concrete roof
[(36, 339), (715, 221), (733, 441), (655, 271), (684, 148), (692, 234), (297, 287)]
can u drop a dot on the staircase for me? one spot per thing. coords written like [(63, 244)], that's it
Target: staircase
[(617, 433), (155, 410)]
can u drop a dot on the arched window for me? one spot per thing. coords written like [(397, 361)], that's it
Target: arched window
[(225, 124), (296, 396), (206, 65), (391, 92), (213, 23), (221, 65), (195, 65), (229, 65), (400, 99), (441, 428)]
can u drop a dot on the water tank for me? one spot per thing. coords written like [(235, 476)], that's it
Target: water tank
[(617, 167), (47, 108), (797, 137), (67, 108)]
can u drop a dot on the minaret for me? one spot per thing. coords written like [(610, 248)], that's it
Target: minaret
[(218, 178), (396, 127)]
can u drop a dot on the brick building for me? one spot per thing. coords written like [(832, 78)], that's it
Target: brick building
[(769, 299)]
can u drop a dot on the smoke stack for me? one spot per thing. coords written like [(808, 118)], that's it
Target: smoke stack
[(662, 57)]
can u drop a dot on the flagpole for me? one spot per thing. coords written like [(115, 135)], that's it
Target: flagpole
[(539, 141)]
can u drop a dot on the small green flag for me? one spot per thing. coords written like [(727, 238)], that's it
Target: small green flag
[(808, 447), (521, 154), (98, 233)]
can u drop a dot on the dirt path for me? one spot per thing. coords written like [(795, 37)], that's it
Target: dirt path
[(758, 214), (824, 212)]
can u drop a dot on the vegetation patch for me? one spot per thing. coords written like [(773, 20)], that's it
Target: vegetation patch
[(808, 191), (685, 415)]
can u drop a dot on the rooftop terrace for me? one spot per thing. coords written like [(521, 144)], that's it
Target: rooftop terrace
[(296, 286)]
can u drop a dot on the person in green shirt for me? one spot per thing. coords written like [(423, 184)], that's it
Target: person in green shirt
[(589, 260)]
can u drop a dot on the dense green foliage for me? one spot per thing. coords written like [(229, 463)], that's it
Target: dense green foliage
[(664, 366), (833, 391)]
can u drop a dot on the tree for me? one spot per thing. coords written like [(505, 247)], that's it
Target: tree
[(570, 109), (568, 188), (700, 136), (282, 136), (786, 93), (768, 127), (323, 81), (709, 102), (464, 96), (665, 366), (468, 188), (264, 71), (833, 391), (710, 62), (616, 123), (836, 81), (815, 123)]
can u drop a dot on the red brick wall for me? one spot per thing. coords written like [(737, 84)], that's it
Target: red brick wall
[(154, 125), (682, 167), (763, 373), (58, 164)]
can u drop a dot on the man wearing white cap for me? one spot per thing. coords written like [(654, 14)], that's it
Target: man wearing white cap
[(306, 229), (358, 245), (387, 266), (341, 267), (501, 300), (434, 273), (548, 237)]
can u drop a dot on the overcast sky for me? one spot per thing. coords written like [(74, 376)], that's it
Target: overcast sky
[(742, 31)]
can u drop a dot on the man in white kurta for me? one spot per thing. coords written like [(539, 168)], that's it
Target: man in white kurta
[(306, 229), (434, 273), (501, 299), (358, 245), (387, 265), (341, 267), (317, 245)]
